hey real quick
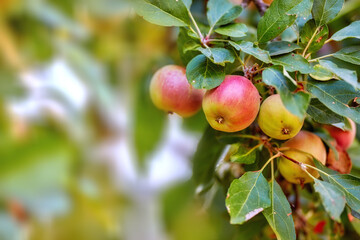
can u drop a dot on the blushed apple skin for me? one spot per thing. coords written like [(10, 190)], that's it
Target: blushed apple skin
[(276, 121), (306, 142), (343, 165), (171, 92), (233, 105), (344, 139)]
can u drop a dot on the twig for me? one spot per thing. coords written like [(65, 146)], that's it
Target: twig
[(317, 59), (195, 24), (261, 6)]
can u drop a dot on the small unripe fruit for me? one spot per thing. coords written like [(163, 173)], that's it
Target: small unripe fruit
[(344, 139), (233, 105), (171, 92), (343, 164), (276, 121), (306, 142)]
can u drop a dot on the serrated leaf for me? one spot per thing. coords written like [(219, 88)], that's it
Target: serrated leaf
[(293, 62), (201, 72), (244, 155), (218, 55), (321, 73), (307, 32), (332, 198), (326, 10), (164, 13), (322, 114), (248, 47), (351, 31), (279, 213), (296, 103), (247, 196), (281, 47), (347, 75), (205, 158), (276, 19), (233, 30), (336, 95), (349, 54), (220, 12)]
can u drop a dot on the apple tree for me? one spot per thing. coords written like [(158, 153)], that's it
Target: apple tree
[(282, 105)]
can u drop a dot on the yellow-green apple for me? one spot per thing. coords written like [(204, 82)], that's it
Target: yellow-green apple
[(276, 121)]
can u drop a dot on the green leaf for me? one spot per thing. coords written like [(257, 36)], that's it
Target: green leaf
[(164, 13), (248, 47), (233, 30), (220, 12), (201, 72), (205, 158), (279, 215), (326, 10), (296, 103), (293, 62), (347, 75), (351, 31), (281, 47), (319, 39), (336, 95), (218, 56), (244, 155), (350, 186), (187, 3), (332, 198), (322, 114), (186, 46), (349, 54), (276, 19), (321, 73), (303, 9), (247, 196)]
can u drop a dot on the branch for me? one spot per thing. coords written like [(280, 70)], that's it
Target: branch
[(261, 6)]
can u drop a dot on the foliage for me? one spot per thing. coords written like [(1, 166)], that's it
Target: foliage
[(323, 91)]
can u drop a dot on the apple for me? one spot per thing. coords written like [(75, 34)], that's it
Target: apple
[(306, 142), (233, 105), (310, 143), (276, 121), (171, 92), (343, 164), (344, 139)]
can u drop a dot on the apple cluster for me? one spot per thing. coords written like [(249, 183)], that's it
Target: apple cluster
[(234, 106)]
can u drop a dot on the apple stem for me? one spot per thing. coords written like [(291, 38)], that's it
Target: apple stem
[(289, 158)]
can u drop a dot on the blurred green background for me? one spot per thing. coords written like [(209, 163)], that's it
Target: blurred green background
[(84, 154)]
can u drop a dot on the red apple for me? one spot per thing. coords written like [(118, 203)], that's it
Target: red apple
[(233, 105), (171, 92), (344, 139)]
